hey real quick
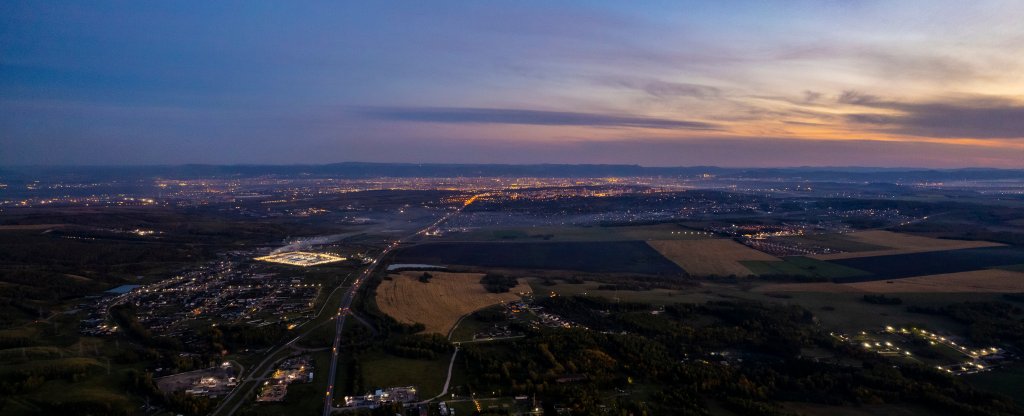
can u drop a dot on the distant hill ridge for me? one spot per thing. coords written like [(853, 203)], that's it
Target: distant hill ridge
[(367, 170)]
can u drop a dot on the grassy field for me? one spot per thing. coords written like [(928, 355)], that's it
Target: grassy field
[(836, 310), (718, 257), (384, 370), (824, 287), (24, 227), (837, 242), (861, 410), (932, 262), (987, 280), (975, 281), (468, 326), (848, 311), (1006, 380), (598, 257), (900, 243), (803, 266), (1013, 268), (653, 296), (439, 304)]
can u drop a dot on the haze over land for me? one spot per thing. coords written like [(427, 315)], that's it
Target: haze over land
[(928, 84)]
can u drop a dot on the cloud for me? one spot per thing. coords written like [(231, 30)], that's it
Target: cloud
[(455, 115), (920, 66), (973, 117), (811, 96), (857, 98), (663, 89)]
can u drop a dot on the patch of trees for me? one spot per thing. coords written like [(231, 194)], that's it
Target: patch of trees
[(636, 286), (234, 337), (101, 404), (674, 350), (26, 377), (489, 315), (427, 346), (124, 316), (987, 322), (189, 404), (798, 278), (425, 277), (498, 283), (882, 300)]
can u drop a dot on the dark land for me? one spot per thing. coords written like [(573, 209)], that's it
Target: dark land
[(612, 326)]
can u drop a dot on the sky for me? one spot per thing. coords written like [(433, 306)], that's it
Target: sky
[(925, 83)]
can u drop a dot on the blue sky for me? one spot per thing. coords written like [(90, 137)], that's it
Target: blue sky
[(758, 83)]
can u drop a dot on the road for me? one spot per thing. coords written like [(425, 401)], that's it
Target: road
[(232, 401), (346, 301)]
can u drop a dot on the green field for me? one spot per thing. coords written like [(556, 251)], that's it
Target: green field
[(839, 242), (803, 266), (847, 312), (467, 327), (653, 296), (1013, 267), (844, 312), (585, 256), (385, 370), (1006, 380)]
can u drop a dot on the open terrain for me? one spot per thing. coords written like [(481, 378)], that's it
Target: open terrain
[(710, 257), (805, 267), (929, 263), (838, 242), (900, 243), (439, 304), (585, 256), (987, 280)]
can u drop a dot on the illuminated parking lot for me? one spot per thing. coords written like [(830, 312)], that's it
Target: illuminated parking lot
[(301, 258)]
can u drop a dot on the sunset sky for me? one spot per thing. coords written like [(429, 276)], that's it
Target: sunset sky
[(673, 83)]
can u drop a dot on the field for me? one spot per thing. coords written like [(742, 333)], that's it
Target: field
[(653, 296), (899, 243), (803, 266), (836, 242), (382, 370), (933, 262), (1006, 381), (598, 257), (30, 227), (709, 257), (439, 304), (849, 312), (818, 287), (989, 280), (862, 410), (975, 281)]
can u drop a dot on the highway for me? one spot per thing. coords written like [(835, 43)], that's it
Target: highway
[(346, 301)]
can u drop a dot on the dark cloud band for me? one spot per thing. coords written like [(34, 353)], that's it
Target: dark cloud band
[(456, 115), (975, 118)]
